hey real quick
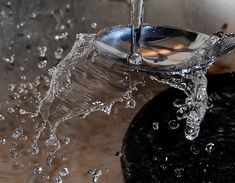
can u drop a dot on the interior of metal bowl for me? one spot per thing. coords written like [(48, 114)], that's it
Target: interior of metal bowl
[(161, 47)]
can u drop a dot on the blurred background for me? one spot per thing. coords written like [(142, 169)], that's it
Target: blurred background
[(36, 35)]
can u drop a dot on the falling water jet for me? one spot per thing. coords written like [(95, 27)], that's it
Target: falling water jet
[(137, 17)]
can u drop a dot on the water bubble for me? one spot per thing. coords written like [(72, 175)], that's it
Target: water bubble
[(210, 147), (94, 25), (2, 141), (64, 172), (58, 53), (131, 104), (173, 124), (37, 170), (42, 51), (155, 126), (42, 64), (17, 133)]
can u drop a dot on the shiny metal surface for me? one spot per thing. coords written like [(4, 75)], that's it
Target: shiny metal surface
[(163, 49)]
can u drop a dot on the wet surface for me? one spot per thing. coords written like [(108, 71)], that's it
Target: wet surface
[(34, 31), (155, 148)]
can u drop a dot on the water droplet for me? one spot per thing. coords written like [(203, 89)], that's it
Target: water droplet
[(9, 60), (13, 153), (66, 140), (42, 51), (65, 157), (15, 95), (127, 95), (80, 36), (131, 104), (8, 4), (34, 149), (209, 103), (2, 118), (179, 172), (173, 124), (62, 36), (2, 141), (68, 6), (34, 15), (94, 25), (23, 137), (11, 87), (195, 149), (23, 78), (52, 141), (42, 64), (58, 53), (37, 170), (64, 172), (135, 59), (17, 133), (118, 154), (58, 180), (21, 68), (155, 126), (210, 147), (95, 175), (155, 158), (178, 103), (22, 111)]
